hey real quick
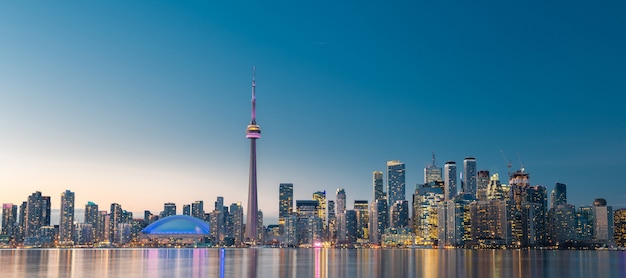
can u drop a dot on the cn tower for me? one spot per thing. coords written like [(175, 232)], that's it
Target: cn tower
[(253, 132)]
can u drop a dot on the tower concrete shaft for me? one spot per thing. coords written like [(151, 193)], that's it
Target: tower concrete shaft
[(253, 132)]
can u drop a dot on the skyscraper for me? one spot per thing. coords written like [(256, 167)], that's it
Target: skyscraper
[(236, 217), (432, 173), (395, 182), (619, 225), (197, 209), (362, 219), (449, 179), (332, 222), (66, 223), (9, 219), (340, 202), (377, 179), (35, 215), (253, 132), (482, 184), (92, 218), (285, 201), (559, 195), (469, 176), (602, 221), (320, 197), (115, 218)]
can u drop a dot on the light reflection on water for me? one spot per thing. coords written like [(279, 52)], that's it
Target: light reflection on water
[(309, 263)]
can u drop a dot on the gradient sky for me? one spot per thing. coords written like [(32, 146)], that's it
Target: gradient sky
[(146, 102)]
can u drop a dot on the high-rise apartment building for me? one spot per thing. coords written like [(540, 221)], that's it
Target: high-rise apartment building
[(619, 225), (187, 209), (331, 234), (92, 218), (306, 211), (561, 224), (377, 180), (66, 223), (362, 218), (432, 173), (603, 221), (449, 179), (236, 218), (399, 214), (395, 181), (558, 195), (9, 220), (482, 184), (351, 226), (425, 220), (285, 201), (35, 214), (469, 176), (115, 218), (340, 210), (197, 209), (169, 209)]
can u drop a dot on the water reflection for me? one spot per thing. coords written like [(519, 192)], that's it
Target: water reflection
[(317, 263)]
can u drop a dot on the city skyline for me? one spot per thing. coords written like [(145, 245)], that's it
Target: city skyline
[(142, 105)]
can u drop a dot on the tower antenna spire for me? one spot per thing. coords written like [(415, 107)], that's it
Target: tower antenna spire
[(253, 116), (434, 159)]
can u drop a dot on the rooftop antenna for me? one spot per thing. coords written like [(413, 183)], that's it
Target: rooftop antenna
[(253, 116), (434, 160)]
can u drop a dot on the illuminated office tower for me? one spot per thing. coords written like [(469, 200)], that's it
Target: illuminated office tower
[(395, 182), (66, 223), (482, 184), (187, 209), (399, 214), (432, 173), (307, 228), (536, 205), (253, 132), (619, 225), (469, 176), (340, 202), (21, 222), (603, 221), (197, 209), (320, 197), (558, 195), (377, 180), (331, 234), (260, 228), (285, 201), (379, 220), (9, 219), (219, 219), (449, 179), (425, 219), (494, 189), (519, 218), (362, 219), (46, 212), (92, 218), (169, 209)]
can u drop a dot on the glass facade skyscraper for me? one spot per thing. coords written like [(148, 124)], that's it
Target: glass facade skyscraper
[(449, 179), (469, 176), (395, 182), (285, 201), (377, 180), (66, 224)]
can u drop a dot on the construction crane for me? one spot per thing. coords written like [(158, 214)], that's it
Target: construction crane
[(508, 163)]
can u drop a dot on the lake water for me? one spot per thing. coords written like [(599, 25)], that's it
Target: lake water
[(266, 262)]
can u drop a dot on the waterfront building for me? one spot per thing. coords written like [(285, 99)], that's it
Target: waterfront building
[(236, 219), (488, 223), (340, 202), (83, 234), (253, 132), (425, 219), (561, 224), (35, 215), (307, 229), (115, 218), (397, 237), (285, 201), (449, 179), (584, 223), (537, 204), (320, 196), (558, 195), (432, 173), (178, 229), (260, 236), (602, 221), (331, 234), (92, 218), (518, 218), (399, 214), (378, 220), (469, 176), (482, 185), (66, 223), (290, 231), (395, 182), (351, 226), (9, 220), (457, 217), (377, 181), (362, 218), (619, 225)]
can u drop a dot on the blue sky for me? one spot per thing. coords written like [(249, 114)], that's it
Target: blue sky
[(143, 103)]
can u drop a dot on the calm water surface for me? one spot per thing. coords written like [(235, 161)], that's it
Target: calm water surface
[(309, 263)]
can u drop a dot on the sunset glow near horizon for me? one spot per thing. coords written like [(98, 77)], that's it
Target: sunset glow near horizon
[(146, 103)]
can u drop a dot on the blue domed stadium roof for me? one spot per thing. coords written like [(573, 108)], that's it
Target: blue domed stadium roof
[(178, 224)]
